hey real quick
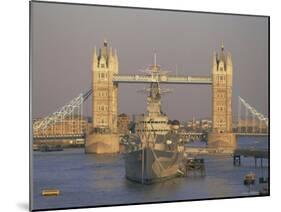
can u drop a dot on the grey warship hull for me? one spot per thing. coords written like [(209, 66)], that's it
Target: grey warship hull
[(149, 165)]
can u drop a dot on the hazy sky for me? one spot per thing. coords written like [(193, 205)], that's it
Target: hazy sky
[(63, 38)]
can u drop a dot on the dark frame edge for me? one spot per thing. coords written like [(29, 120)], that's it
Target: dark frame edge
[(149, 203), (30, 112)]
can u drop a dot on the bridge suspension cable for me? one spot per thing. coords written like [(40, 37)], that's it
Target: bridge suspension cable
[(255, 115), (72, 110)]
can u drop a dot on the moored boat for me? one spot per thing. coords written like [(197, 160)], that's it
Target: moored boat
[(157, 156)]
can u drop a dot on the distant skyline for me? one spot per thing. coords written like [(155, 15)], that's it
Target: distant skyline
[(64, 36)]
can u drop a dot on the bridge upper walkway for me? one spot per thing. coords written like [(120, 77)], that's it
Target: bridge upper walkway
[(166, 79)]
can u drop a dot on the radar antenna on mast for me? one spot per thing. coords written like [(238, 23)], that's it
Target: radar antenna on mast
[(156, 72), (155, 57)]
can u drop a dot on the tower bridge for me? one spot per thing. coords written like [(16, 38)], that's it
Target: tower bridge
[(103, 137), (105, 81)]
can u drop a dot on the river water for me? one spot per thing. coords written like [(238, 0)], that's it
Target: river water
[(95, 180)]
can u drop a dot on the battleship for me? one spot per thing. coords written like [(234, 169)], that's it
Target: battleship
[(157, 151)]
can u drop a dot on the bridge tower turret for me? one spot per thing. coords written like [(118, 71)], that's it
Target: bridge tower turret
[(222, 73), (103, 136)]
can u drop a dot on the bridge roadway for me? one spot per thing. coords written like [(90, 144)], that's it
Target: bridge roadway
[(51, 137), (190, 134), (166, 79), (251, 134), (237, 134)]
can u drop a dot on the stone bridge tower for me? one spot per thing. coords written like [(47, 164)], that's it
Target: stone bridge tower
[(103, 136), (222, 135)]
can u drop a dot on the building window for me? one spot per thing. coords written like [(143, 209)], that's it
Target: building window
[(102, 76)]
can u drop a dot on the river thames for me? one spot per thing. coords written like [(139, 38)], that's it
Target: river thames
[(95, 180)]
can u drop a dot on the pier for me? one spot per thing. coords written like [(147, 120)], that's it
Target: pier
[(193, 167), (257, 154), (254, 153)]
